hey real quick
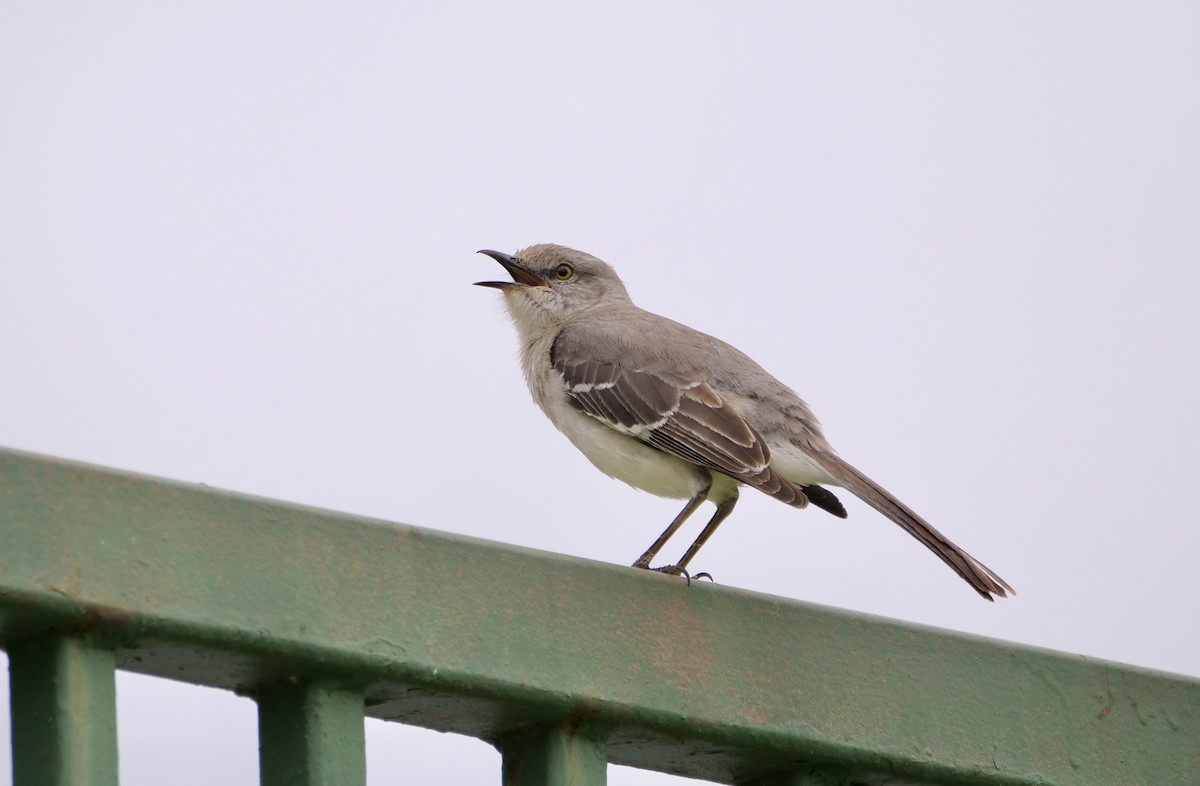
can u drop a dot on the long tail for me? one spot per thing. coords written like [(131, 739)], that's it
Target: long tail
[(980, 576)]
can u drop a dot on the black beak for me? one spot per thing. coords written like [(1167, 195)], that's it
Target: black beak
[(522, 276)]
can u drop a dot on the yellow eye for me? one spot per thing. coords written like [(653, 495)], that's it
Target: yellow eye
[(564, 272)]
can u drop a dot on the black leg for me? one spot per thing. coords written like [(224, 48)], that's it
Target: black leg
[(688, 509), (723, 511)]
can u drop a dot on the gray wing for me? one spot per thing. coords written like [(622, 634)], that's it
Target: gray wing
[(683, 417)]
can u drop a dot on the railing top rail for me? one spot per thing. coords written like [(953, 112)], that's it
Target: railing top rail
[(464, 635)]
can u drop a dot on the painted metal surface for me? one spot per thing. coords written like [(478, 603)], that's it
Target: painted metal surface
[(474, 637), (64, 724), (554, 755), (310, 733)]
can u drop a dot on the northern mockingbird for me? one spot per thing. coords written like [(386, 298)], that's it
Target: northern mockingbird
[(678, 413)]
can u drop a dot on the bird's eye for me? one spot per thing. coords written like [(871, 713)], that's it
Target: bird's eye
[(564, 272)]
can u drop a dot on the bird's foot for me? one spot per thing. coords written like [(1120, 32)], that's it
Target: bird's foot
[(676, 570), (670, 570)]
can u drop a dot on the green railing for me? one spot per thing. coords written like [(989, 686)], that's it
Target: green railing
[(564, 665)]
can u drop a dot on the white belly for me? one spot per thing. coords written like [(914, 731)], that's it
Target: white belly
[(624, 457), (614, 453)]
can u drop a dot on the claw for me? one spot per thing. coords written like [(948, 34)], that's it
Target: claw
[(675, 570), (705, 575)]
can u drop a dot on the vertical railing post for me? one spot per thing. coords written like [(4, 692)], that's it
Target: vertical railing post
[(554, 756), (63, 699), (310, 733)]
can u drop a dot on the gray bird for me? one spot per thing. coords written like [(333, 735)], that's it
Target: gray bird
[(678, 413)]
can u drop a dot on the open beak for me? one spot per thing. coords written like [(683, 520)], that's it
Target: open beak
[(522, 276)]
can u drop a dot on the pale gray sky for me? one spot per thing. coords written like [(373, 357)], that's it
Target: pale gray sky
[(239, 243)]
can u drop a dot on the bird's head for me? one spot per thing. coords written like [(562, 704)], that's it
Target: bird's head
[(551, 284)]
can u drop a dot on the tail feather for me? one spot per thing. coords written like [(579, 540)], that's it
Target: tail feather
[(824, 499), (981, 577)]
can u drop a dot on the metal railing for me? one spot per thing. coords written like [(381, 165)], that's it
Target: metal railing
[(564, 665)]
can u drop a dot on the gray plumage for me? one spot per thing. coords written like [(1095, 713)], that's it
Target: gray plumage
[(676, 412)]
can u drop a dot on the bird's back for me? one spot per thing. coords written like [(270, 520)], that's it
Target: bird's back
[(645, 341)]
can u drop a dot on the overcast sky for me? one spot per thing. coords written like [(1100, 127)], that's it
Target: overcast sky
[(238, 246)]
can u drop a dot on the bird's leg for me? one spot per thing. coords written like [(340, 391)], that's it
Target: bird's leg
[(724, 508), (688, 509)]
